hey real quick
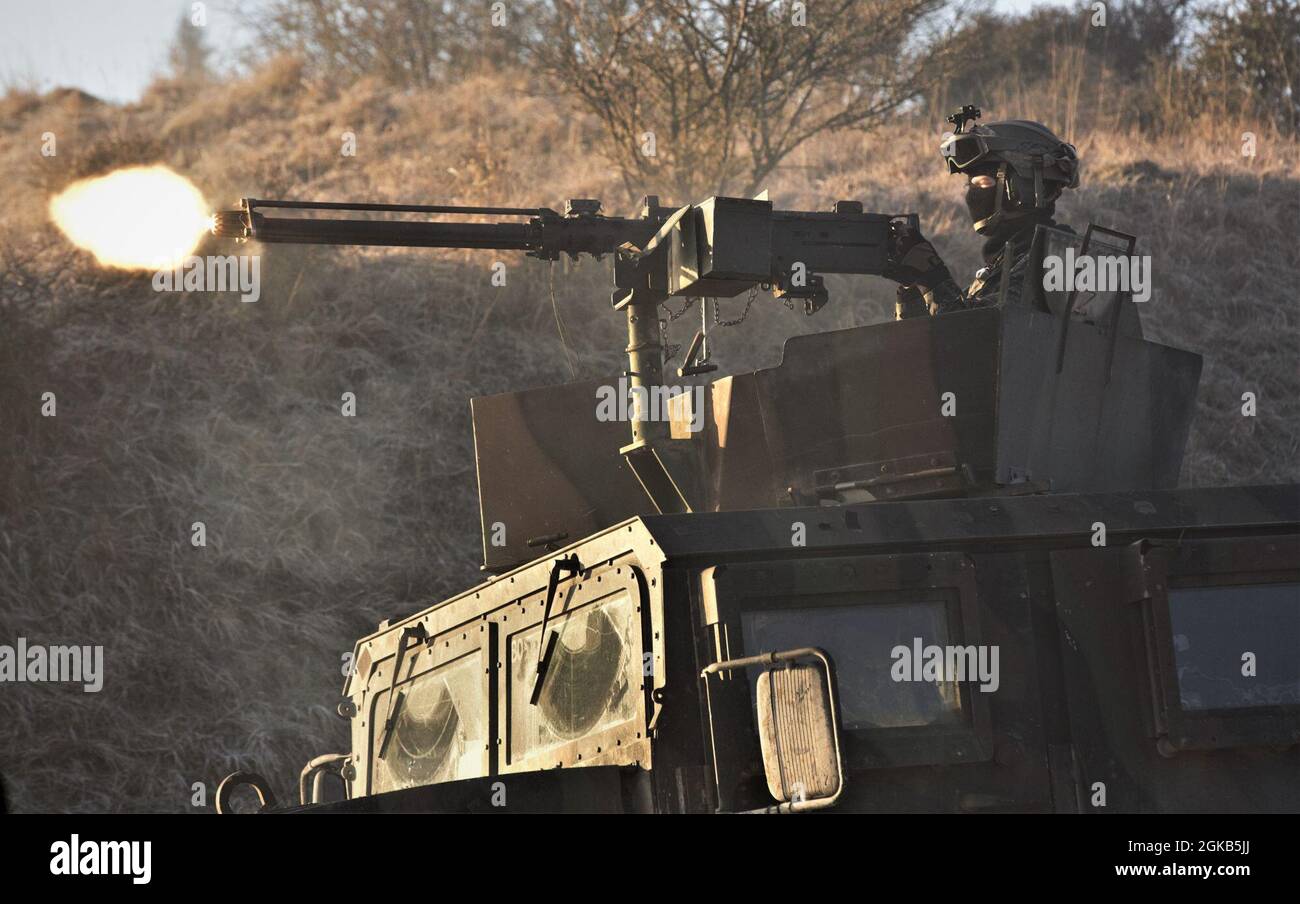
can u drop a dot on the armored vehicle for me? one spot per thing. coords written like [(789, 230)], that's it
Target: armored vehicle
[(939, 564)]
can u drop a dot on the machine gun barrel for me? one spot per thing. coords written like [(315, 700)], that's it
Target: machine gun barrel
[(545, 233), (284, 230)]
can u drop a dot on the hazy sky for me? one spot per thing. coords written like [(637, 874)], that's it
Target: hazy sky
[(109, 48), (112, 48)]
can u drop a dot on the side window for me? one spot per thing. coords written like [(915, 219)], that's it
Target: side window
[(1192, 645), (902, 633), (1222, 638), (1236, 646), (860, 639)]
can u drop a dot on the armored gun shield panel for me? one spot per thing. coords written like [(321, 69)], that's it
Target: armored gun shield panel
[(990, 400), (986, 401), (1084, 408), (861, 407), (1108, 251), (548, 467)]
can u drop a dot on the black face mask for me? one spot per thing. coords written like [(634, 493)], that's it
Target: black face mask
[(981, 202)]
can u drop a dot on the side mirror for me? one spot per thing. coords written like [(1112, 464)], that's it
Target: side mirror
[(798, 727)]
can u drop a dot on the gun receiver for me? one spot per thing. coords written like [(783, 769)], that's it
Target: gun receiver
[(715, 249)]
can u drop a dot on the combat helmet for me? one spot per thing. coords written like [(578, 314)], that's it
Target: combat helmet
[(1031, 164)]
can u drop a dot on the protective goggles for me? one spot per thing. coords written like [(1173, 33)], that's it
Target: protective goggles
[(963, 151)]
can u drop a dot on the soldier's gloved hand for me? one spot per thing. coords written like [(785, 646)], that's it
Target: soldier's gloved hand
[(913, 261), (910, 303)]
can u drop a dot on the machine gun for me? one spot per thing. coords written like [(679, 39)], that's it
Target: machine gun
[(718, 248), (715, 249)]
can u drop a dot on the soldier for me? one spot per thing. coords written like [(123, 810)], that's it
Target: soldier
[(1015, 172)]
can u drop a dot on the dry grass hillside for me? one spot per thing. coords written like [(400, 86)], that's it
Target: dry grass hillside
[(181, 408)]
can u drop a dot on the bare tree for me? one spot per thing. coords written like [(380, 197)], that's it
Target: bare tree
[(712, 95), (1247, 54), (189, 53), (404, 42)]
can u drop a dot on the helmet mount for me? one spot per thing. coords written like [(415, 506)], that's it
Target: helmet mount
[(968, 113)]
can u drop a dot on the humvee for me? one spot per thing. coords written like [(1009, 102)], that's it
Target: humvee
[(939, 564)]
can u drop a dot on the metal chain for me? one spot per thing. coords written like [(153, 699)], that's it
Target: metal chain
[(717, 317), (670, 351), (673, 315)]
